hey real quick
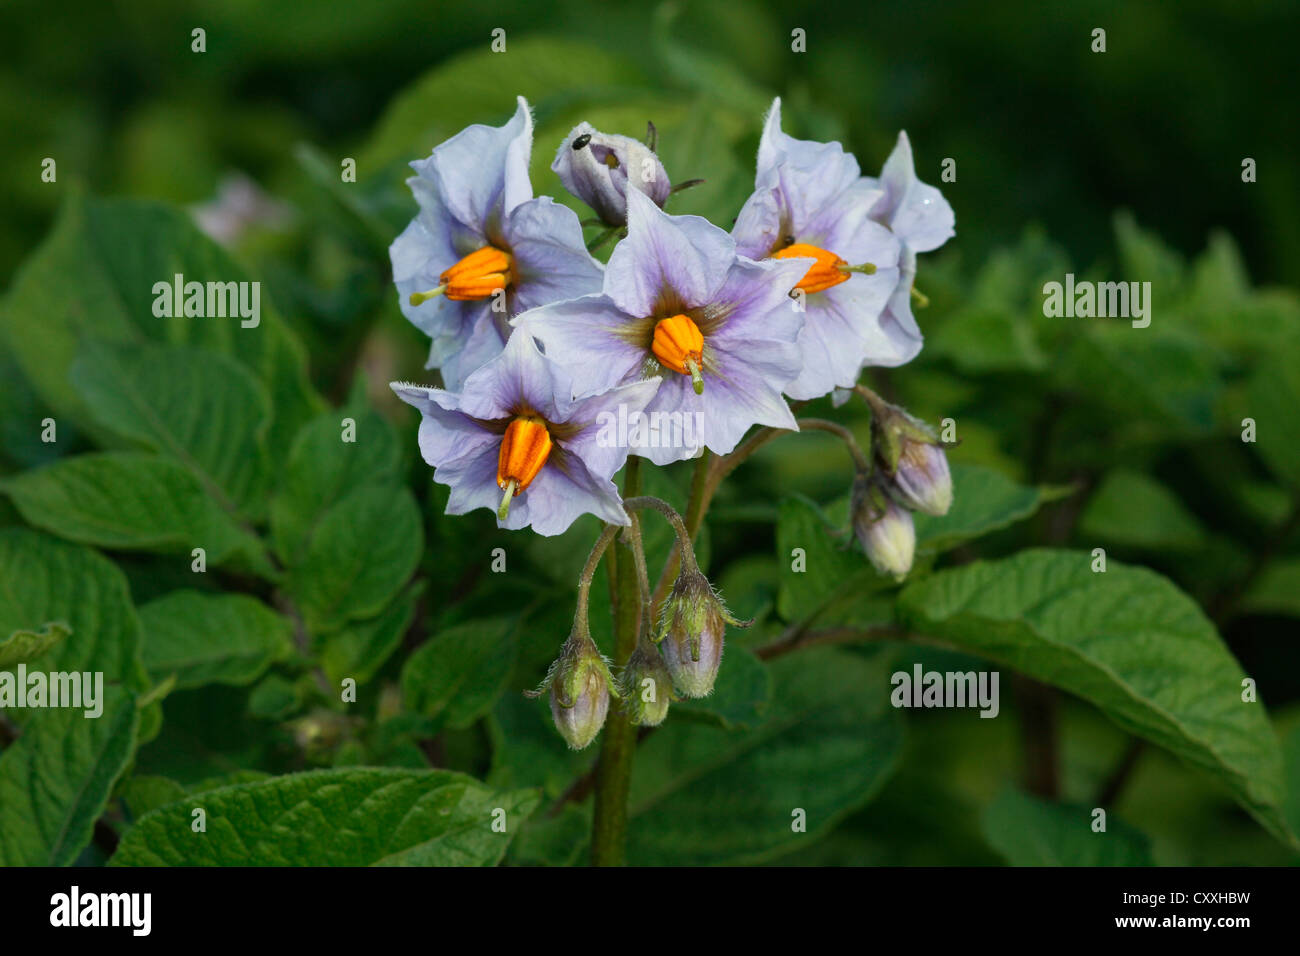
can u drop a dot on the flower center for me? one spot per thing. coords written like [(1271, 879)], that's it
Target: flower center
[(829, 269), (679, 345), (524, 449), (479, 275)]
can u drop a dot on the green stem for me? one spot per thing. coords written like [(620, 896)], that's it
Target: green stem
[(614, 772)]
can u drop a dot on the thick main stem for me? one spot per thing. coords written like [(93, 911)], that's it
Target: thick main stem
[(614, 772)]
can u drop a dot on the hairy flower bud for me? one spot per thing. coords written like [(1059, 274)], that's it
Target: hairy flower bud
[(598, 168), (647, 686), (691, 630), (580, 684), (923, 480), (884, 529)]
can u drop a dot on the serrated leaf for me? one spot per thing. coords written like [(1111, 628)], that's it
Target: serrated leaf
[(201, 409), (26, 645), (1031, 832), (127, 501), (354, 817), (364, 550), (457, 675), (1126, 640), (212, 638), (703, 795)]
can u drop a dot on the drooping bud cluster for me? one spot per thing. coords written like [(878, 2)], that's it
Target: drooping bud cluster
[(691, 629), (580, 685), (910, 474)]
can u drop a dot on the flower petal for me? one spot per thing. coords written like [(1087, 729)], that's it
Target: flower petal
[(916, 212), (551, 260), (481, 173), (584, 336), (686, 255)]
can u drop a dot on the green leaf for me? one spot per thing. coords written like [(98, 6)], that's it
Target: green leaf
[(55, 779), (816, 563), (359, 650), (1133, 509), (354, 817), (202, 409), (92, 281), (980, 340), (1161, 381), (1126, 640), (212, 638), (128, 501), (983, 500), (1031, 832), (458, 675), (741, 694), (704, 795), (26, 645), (363, 551), (323, 469), (144, 793), (1273, 396), (1277, 591)]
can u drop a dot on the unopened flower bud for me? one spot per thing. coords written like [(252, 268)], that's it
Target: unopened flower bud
[(884, 529), (923, 480), (599, 168), (691, 630), (580, 684), (647, 686)]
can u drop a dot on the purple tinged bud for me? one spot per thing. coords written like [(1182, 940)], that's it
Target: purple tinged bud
[(884, 529), (691, 631), (647, 686), (580, 684), (923, 480), (598, 168)]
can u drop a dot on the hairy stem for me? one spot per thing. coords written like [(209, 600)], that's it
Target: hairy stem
[(614, 772)]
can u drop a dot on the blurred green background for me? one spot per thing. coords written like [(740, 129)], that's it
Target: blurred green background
[(1117, 165), (1043, 130)]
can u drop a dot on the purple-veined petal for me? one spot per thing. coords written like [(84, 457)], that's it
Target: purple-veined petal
[(610, 419), (551, 262), (685, 254), (582, 335)]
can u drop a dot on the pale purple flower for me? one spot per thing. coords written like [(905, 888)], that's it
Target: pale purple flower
[(679, 303), (810, 194), (599, 168), (555, 465), (918, 215), (474, 195)]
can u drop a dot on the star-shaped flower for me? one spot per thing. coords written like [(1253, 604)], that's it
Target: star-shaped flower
[(810, 200), (482, 249), (678, 302), (515, 441)]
